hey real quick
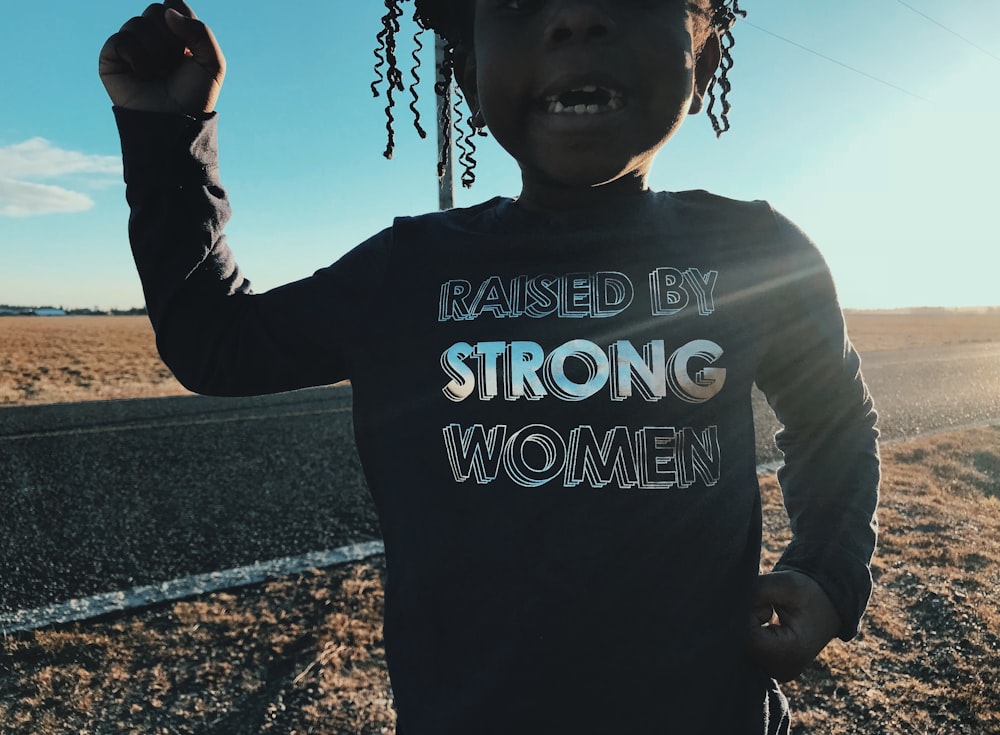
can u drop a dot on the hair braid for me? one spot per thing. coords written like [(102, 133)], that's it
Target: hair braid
[(385, 52), (380, 60), (476, 131), (722, 21), (418, 46), (463, 142), (466, 142)]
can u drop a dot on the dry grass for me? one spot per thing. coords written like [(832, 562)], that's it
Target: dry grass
[(305, 654), (68, 359), (80, 358), (928, 658), (873, 331), (293, 656)]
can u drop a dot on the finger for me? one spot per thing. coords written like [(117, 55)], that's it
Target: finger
[(152, 10), (800, 603), (198, 38), (762, 614), (181, 7), (123, 54), (110, 61), (765, 602), (771, 639), (787, 593), (773, 587), (158, 23), (777, 651), (148, 40)]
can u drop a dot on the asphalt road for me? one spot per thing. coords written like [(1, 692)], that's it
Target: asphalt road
[(919, 391), (110, 495)]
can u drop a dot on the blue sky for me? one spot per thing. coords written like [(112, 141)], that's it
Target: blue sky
[(895, 177)]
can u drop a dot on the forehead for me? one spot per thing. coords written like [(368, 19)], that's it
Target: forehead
[(465, 14), (455, 19), (461, 11)]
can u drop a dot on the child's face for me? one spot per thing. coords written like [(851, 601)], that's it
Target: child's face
[(583, 93)]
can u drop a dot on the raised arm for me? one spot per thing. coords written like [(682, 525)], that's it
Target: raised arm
[(164, 70)]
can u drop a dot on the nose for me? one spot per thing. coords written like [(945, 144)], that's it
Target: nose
[(578, 20)]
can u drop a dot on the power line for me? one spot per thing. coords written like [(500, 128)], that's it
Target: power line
[(835, 61), (954, 33)]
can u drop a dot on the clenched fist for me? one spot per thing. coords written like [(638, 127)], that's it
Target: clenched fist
[(792, 621), (165, 60)]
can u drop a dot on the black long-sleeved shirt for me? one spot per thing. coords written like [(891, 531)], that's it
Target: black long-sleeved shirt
[(554, 418)]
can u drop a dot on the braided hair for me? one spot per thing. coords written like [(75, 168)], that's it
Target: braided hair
[(452, 20), (723, 17)]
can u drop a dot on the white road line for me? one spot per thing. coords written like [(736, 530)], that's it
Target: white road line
[(86, 608), (91, 607), (168, 424)]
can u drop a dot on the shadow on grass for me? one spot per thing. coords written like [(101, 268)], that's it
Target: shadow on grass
[(989, 464)]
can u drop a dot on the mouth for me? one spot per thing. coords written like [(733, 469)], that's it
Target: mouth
[(590, 99)]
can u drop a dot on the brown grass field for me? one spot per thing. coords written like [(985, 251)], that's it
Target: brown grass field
[(85, 358), (305, 654), (80, 358)]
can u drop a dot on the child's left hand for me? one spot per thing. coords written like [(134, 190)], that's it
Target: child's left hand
[(792, 621)]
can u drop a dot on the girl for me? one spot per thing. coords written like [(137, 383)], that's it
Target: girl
[(552, 392)]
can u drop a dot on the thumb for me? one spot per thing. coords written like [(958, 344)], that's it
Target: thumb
[(766, 596), (762, 613), (199, 40)]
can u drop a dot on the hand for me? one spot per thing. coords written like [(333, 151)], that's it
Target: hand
[(792, 621), (165, 60)]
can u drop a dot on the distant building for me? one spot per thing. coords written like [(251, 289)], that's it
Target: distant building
[(49, 311)]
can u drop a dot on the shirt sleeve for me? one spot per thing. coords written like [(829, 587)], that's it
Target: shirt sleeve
[(812, 378), (215, 334)]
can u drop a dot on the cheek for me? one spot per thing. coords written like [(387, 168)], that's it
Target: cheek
[(501, 104)]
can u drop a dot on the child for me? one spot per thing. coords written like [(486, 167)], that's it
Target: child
[(551, 393)]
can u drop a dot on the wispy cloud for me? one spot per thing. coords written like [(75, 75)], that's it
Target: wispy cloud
[(24, 199), (22, 165)]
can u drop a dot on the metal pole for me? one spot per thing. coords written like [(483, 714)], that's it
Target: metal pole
[(446, 183)]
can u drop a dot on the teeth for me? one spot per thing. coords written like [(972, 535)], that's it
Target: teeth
[(615, 102)]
